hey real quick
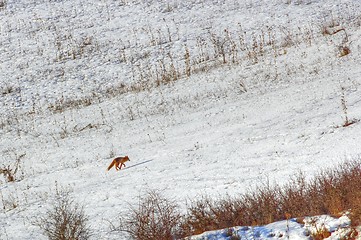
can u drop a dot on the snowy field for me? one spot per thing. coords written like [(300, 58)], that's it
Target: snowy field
[(206, 97)]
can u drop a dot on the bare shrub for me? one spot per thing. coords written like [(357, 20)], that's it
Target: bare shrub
[(330, 192), (206, 214), (295, 197), (340, 189), (265, 203), (155, 218), (65, 220), (220, 46)]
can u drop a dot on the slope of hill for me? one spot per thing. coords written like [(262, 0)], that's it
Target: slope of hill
[(206, 97)]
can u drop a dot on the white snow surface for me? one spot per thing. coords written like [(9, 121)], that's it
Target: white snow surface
[(287, 229), (204, 134)]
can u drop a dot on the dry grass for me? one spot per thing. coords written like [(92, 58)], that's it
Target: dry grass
[(10, 171), (320, 232), (3, 4), (212, 50), (231, 46), (347, 121)]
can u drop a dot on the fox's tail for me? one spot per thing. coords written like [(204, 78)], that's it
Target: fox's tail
[(111, 165)]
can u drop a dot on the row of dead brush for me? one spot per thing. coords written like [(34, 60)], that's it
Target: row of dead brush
[(332, 191)]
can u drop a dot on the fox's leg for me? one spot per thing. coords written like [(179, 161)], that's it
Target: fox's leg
[(121, 165)]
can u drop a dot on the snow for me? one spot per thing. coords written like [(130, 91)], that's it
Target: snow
[(287, 229), (203, 134)]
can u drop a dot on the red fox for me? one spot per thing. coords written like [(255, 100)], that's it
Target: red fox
[(118, 161)]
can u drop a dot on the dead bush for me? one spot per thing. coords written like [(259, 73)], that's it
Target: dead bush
[(65, 220), (330, 192), (155, 218), (206, 214), (294, 196), (339, 190)]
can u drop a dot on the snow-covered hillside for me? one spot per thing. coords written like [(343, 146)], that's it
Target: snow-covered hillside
[(204, 96)]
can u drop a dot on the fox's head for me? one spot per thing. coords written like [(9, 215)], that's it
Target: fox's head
[(126, 158)]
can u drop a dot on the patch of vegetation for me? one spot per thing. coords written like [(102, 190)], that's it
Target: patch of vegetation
[(330, 192), (65, 220), (155, 218), (10, 171)]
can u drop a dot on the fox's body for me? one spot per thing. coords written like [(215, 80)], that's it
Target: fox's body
[(118, 162)]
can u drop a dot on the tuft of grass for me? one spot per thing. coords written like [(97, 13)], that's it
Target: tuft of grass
[(3, 4), (347, 121), (320, 232), (9, 172), (9, 201), (344, 50)]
